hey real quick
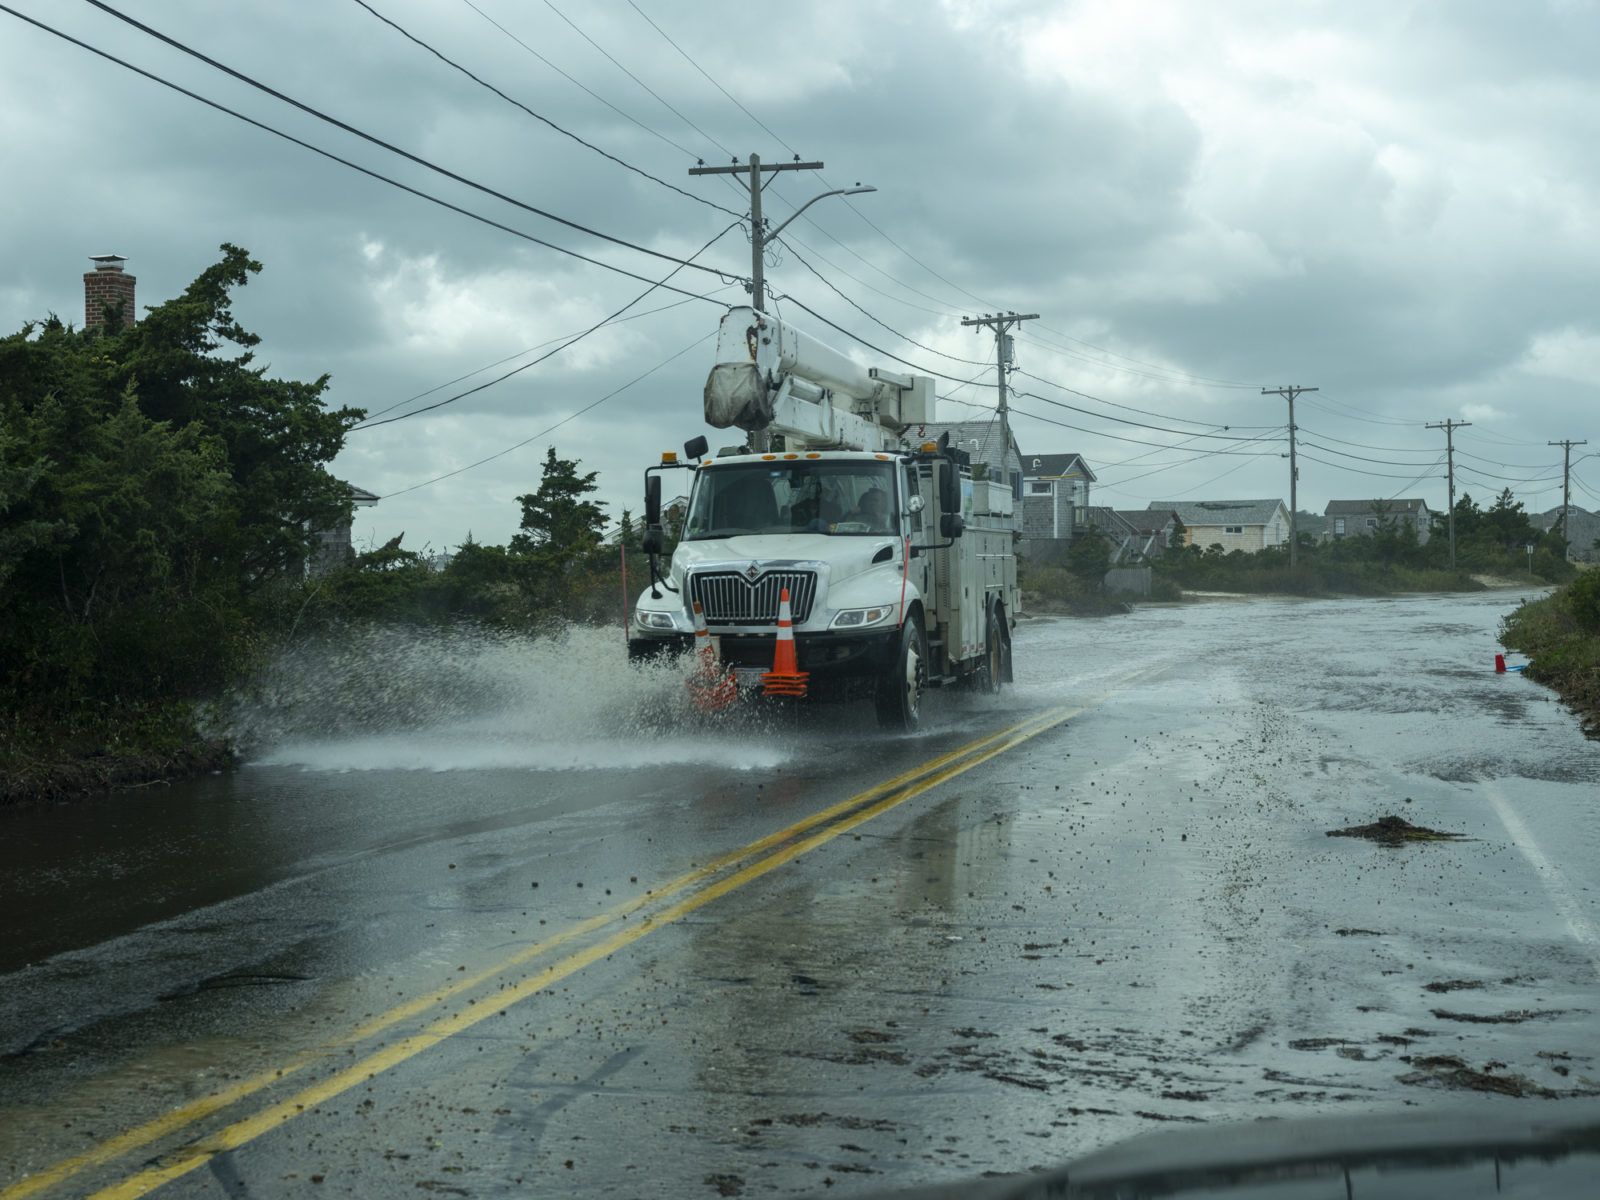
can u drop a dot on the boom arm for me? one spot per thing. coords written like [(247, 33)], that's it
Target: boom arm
[(770, 375)]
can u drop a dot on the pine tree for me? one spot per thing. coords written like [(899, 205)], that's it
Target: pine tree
[(560, 532)]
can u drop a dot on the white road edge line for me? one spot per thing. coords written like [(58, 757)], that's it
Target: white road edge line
[(1555, 883)]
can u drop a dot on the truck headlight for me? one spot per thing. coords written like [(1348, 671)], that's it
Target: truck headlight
[(655, 620), (860, 618)]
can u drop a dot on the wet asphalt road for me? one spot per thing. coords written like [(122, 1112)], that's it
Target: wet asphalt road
[(513, 930)]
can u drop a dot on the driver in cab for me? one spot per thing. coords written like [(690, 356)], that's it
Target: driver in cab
[(872, 510)]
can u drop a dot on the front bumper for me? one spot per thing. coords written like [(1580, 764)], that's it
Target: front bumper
[(839, 663)]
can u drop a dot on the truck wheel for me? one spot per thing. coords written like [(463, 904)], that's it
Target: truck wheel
[(900, 691), (987, 678)]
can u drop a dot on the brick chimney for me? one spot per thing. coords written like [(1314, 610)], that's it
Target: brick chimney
[(107, 284)]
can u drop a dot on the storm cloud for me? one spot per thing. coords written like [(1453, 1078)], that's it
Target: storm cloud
[(1394, 203)]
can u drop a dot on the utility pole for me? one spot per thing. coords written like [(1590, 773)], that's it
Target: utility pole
[(1566, 478), (1449, 428), (1000, 322), (759, 235), (1289, 393)]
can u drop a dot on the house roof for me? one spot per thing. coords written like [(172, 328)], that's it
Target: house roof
[(963, 433), (1551, 515), (1338, 508), (1055, 466), (1147, 520), (1582, 526), (1223, 512)]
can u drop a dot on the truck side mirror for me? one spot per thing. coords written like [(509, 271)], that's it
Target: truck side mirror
[(654, 541), (952, 525), (695, 449), (949, 488), (652, 499)]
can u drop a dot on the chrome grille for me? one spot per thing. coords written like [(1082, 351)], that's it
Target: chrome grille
[(730, 599)]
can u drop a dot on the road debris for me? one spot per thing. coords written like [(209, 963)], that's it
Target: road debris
[(1394, 831)]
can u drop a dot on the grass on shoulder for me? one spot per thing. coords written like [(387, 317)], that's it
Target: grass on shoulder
[(1560, 634), (1267, 574), (101, 748)]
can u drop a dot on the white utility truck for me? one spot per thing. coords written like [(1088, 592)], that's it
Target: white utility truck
[(897, 564)]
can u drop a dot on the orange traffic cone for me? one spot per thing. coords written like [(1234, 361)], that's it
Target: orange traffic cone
[(785, 678), (711, 687), (1499, 664)]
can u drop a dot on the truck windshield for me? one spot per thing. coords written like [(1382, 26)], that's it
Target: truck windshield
[(838, 497)]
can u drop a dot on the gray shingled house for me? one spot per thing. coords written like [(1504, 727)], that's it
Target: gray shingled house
[(1248, 525), (1582, 530), (1055, 493), (1358, 518)]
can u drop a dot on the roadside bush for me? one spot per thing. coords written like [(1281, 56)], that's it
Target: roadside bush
[(1583, 601)]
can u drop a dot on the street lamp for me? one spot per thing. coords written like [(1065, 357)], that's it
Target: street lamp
[(849, 191), (760, 237)]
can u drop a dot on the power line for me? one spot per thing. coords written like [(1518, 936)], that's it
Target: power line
[(1186, 376), (629, 117), (344, 162), (1044, 399), (1213, 479), (564, 420), (1355, 470), (966, 362), (1382, 462), (1159, 469), (636, 79), (377, 141), (543, 357), (1130, 408), (1150, 372), (1331, 407), (407, 34), (1470, 470), (713, 82), (1136, 459), (1144, 370), (1136, 424), (1434, 466), (1328, 437), (971, 362), (1135, 441), (501, 361), (1514, 466), (1158, 374)]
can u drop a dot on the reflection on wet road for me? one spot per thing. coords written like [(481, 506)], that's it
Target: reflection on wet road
[(556, 941)]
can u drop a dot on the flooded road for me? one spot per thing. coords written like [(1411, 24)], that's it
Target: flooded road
[(491, 919)]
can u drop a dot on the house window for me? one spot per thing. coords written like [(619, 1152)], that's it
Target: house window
[(1372, 522), (1233, 529), (1338, 527), (1040, 487)]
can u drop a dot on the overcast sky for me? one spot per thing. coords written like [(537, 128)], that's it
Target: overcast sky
[(1392, 202)]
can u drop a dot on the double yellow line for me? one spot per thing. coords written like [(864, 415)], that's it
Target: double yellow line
[(683, 895)]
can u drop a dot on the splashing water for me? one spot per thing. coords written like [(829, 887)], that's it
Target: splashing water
[(469, 698)]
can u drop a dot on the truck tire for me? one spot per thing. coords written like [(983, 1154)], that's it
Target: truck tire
[(900, 690), (991, 673)]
